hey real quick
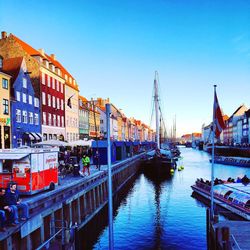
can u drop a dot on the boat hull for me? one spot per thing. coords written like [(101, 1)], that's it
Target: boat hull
[(235, 161), (221, 202)]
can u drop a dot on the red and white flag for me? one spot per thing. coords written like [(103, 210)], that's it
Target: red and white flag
[(218, 118)]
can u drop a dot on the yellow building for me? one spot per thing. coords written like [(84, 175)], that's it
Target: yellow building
[(5, 123), (94, 119), (71, 110)]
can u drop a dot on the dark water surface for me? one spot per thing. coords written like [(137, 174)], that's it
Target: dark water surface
[(159, 214)]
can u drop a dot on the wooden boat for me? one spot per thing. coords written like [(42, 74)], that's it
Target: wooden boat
[(160, 160), (234, 197), (230, 160)]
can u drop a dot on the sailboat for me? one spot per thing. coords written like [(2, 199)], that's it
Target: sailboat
[(159, 160)]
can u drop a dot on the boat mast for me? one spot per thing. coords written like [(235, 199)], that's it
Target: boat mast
[(156, 100)]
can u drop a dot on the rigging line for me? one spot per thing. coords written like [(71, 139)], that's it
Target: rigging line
[(162, 120), (152, 107)]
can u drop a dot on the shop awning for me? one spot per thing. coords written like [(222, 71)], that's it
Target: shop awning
[(36, 136), (40, 137), (31, 136), (6, 156)]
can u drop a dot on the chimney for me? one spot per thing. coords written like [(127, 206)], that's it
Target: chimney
[(53, 56), (4, 34), (41, 51)]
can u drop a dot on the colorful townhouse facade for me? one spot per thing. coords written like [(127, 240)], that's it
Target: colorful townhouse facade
[(52, 98), (229, 135), (71, 109), (54, 91), (5, 119), (25, 107), (94, 119), (44, 73), (83, 119)]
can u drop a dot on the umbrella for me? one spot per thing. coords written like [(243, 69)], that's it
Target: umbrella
[(52, 143), (81, 143)]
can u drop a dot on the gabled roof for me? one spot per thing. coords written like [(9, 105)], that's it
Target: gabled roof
[(12, 66), (237, 110), (83, 98), (33, 52)]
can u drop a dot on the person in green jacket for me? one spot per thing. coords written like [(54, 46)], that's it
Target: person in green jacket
[(85, 162)]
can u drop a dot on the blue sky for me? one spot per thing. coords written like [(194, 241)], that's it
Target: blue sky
[(112, 48)]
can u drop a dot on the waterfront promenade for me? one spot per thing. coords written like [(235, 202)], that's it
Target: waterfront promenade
[(75, 201)]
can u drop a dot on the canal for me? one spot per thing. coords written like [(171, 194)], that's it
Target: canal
[(160, 213)]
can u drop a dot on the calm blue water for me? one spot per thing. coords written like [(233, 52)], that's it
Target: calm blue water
[(162, 214)]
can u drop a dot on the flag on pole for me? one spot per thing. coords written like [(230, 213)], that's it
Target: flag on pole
[(218, 118), (69, 102)]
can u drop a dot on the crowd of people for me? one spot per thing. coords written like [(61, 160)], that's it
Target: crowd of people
[(10, 204), (245, 180), (80, 155)]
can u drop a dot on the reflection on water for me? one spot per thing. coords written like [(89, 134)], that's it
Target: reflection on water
[(158, 212)]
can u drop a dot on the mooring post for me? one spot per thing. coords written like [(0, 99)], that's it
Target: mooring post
[(225, 238), (208, 214)]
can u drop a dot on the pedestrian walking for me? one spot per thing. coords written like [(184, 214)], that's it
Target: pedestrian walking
[(85, 162), (97, 160)]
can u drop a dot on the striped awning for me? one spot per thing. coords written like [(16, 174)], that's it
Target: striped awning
[(33, 136)]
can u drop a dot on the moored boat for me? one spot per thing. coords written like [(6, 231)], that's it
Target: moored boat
[(161, 159), (234, 197), (230, 160)]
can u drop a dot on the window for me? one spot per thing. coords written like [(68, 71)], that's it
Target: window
[(30, 100), (24, 98), (49, 120), (25, 83), (36, 102), (62, 104), (25, 116), (5, 107), (18, 115), (5, 83), (43, 78), (57, 86), (62, 121), (58, 103), (36, 119), (49, 100), (62, 88), (45, 136), (48, 81), (1, 62), (44, 98), (18, 96), (58, 121), (53, 83), (53, 102), (54, 120), (44, 118), (31, 121)]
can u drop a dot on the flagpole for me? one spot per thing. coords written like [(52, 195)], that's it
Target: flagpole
[(212, 171), (110, 201)]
